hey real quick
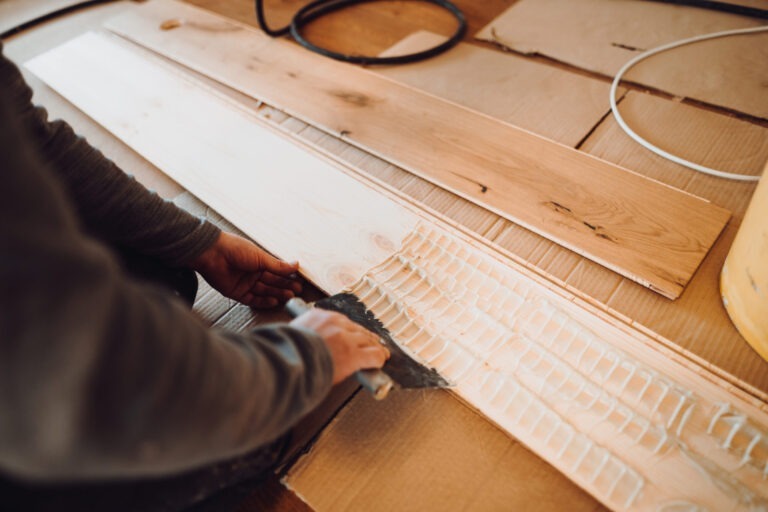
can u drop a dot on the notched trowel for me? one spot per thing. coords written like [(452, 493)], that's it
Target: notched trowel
[(400, 370)]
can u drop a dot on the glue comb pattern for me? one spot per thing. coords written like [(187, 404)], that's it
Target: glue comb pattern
[(584, 395)]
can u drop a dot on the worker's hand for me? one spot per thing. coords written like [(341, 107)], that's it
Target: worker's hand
[(352, 347), (240, 270)]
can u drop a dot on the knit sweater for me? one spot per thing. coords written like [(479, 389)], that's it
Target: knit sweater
[(102, 376)]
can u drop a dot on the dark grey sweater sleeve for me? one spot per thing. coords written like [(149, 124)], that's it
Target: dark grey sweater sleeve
[(101, 376), (110, 204)]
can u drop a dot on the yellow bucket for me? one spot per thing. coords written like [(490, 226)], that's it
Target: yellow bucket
[(744, 279)]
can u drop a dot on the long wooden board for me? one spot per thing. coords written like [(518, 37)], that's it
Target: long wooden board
[(646, 231), (253, 176), (631, 422), (602, 35)]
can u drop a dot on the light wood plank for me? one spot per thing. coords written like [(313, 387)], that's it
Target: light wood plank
[(601, 35), (548, 101), (639, 228), (273, 192)]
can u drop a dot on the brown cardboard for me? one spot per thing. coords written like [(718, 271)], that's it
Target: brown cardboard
[(556, 103), (601, 35), (425, 450)]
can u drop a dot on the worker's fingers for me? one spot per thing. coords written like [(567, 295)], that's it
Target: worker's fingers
[(289, 283), (279, 267), (371, 357)]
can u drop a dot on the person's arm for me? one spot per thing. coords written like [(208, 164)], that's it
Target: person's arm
[(112, 205), (102, 377)]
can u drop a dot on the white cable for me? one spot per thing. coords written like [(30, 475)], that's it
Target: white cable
[(648, 145)]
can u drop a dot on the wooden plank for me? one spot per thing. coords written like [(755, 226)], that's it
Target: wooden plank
[(641, 382), (601, 35), (639, 228), (548, 101), (288, 216)]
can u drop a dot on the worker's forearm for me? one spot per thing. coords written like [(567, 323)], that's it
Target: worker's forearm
[(130, 384)]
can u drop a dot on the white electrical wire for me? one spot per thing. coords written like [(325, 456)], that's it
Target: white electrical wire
[(648, 145)]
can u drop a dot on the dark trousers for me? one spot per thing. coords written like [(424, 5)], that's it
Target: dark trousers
[(193, 490)]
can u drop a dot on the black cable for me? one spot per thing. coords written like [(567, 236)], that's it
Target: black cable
[(742, 10), (318, 8), (51, 15)]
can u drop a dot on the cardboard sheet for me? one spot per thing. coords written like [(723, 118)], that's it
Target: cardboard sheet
[(440, 455), (601, 35), (549, 101)]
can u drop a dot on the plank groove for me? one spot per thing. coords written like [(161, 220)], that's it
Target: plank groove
[(646, 231)]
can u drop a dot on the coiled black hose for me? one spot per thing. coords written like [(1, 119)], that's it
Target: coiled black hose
[(319, 8)]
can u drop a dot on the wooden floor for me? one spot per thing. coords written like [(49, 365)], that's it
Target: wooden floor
[(372, 29)]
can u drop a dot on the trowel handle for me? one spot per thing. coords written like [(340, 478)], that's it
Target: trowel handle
[(375, 381), (297, 307)]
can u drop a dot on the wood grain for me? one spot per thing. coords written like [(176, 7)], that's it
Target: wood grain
[(290, 216), (601, 35), (648, 232)]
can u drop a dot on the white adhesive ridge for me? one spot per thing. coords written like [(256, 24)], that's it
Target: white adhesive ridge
[(629, 434)]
